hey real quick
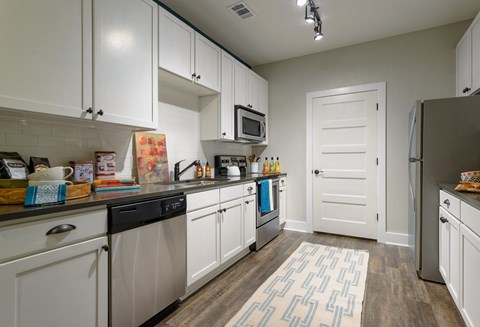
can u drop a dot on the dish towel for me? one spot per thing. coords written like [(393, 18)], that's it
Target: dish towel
[(266, 195), (45, 194)]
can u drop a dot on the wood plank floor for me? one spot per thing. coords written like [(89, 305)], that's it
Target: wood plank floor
[(394, 295)]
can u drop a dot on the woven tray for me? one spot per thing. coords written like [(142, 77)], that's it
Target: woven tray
[(468, 187), (16, 195)]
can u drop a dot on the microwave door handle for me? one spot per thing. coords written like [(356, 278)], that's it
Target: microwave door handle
[(262, 129)]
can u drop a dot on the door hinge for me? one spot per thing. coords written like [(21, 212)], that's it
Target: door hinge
[(377, 216), (377, 106)]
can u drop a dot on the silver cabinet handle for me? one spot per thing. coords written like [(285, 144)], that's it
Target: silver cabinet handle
[(443, 220), (447, 202), (63, 228), (250, 188)]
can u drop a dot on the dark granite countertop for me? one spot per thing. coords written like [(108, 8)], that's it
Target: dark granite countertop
[(470, 198), (20, 214)]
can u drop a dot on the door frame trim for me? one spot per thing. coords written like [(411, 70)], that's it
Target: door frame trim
[(381, 139)]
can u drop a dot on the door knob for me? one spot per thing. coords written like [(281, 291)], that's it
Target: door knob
[(316, 171)]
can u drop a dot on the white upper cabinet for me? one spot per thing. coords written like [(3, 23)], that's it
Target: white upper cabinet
[(125, 62), (186, 53), (476, 54), (241, 84), (51, 64), (468, 60), (46, 56), (251, 90), (227, 97), (176, 45)]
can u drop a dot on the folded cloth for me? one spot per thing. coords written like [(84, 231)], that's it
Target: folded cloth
[(265, 195), (45, 194)]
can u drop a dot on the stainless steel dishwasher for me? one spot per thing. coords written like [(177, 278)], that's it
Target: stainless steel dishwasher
[(147, 272)]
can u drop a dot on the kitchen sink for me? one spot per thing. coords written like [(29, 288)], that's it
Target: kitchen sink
[(195, 182)]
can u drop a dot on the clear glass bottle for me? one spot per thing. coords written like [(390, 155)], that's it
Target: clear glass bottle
[(265, 166), (272, 166)]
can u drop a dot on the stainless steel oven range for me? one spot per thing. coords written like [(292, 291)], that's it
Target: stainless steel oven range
[(268, 223)]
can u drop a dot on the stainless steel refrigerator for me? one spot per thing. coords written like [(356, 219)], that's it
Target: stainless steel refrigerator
[(444, 140)]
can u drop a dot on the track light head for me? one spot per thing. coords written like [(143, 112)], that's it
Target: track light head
[(301, 2), (309, 14), (318, 32)]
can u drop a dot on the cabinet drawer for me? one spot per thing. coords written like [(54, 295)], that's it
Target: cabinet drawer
[(471, 217), (450, 203), (24, 239), (202, 199), (249, 189), (231, 193)]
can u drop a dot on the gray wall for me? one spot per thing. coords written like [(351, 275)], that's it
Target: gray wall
[(419, 65)]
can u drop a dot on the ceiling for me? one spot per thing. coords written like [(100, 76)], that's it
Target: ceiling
[(278, 30)]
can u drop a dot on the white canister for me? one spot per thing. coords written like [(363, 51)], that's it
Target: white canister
[(254, 167)]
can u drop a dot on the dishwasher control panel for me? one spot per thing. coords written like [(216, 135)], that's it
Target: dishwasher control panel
[(136, 214)]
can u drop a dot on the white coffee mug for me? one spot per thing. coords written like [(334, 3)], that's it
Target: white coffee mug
[(254, 167), (51, 174)]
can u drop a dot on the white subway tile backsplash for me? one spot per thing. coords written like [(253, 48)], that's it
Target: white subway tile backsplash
[(86, 132), (76, 142), (20, 140), (37, 129), (64, 131), (2, 139), (10, 126), (49, 141)]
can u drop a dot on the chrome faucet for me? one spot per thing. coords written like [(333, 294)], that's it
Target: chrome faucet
[(177, 173)]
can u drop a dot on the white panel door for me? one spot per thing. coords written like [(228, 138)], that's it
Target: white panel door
[(207, 63), (126, 62), (176, 45), (61, 287), (345, 163), (464, 65), (46, 56), (469, 266), (476, 55), (226, 104), (249, 222), (241, 84), (232, 229), (203, 243)]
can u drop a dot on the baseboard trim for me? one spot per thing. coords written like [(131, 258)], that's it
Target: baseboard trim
[(297, 226), (396, 239)]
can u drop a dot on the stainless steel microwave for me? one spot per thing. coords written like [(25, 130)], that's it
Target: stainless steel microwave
[(250, 125)]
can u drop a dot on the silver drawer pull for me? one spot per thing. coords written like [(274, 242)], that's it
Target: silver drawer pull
[(63, 228), (447, 202)]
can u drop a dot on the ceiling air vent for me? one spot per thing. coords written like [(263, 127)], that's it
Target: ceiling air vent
[(241, 10)]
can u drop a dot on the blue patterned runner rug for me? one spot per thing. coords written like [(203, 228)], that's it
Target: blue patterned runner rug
[(317, 285)]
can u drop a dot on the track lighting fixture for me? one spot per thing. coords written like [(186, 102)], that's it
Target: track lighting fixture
[(312, 16), (309, 14)]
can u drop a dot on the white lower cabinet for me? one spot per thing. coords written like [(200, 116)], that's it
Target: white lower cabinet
[(283, 200), (203, 242), (231, 233), (469, 268), (220, 225), (249, 220), (449, 240), (65, 285)]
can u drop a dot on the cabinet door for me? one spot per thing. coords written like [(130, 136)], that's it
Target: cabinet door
[(253, 94), (262, 95), (46, 51), (241, 84), (126, 62), (449, 252), (283, 204), (176, 45), (207, 63), (476, 55), (469, 265), (464, 65), (249, 220), (231, 231), (55, 287), (203, 243), (226, 105)]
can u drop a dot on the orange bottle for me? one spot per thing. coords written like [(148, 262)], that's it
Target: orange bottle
[(199, 172), (208, 170), (266, 168)]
